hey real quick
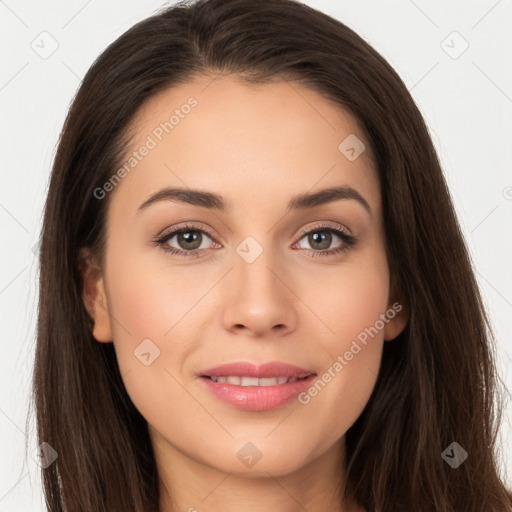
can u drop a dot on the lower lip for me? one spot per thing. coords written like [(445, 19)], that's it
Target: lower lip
[(257, 398)]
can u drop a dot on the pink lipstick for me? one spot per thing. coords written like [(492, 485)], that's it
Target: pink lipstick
[(250, 387)]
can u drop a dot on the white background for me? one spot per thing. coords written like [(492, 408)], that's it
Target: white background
[(466, 101)]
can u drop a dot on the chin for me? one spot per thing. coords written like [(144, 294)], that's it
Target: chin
[(277, 462)]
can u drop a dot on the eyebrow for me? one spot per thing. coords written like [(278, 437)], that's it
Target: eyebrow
[(214, 201)]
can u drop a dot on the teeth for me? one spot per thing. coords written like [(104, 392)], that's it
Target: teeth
[(254, 381)]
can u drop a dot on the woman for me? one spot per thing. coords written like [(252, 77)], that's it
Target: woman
[(254, 368)]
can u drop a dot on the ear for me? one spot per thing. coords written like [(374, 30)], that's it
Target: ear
[(397, 312), (95, 297)]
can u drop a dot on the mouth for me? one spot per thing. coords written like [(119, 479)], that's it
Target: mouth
[(250, 387)]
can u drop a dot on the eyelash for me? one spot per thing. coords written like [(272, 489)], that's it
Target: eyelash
[(349, 241)]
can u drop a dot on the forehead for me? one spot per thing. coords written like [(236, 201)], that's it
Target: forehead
[(254, 144)]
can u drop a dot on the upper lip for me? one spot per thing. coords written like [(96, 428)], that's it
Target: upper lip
[(261, 371)]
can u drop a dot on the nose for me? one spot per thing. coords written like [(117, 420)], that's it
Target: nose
[(259, 301)]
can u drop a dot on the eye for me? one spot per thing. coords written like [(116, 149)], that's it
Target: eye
[(321, 237), (190, 241)]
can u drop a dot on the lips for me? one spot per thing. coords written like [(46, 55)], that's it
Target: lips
[(251, 387)]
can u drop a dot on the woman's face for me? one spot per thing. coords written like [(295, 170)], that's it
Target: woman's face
[(266, 276)]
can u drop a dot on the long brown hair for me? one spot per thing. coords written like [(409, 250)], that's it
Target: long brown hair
[(438, 382)]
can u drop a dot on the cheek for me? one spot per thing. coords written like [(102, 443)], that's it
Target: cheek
[(350, 305), (149, 299), (348, 302), (148, 302), (150, 308)]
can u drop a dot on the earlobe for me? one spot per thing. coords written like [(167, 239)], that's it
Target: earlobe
[(95, 299)]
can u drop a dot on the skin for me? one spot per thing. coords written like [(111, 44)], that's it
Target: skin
[(257, 146)]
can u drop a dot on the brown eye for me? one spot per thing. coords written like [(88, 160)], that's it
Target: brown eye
[(321, 238), (185, 241)]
